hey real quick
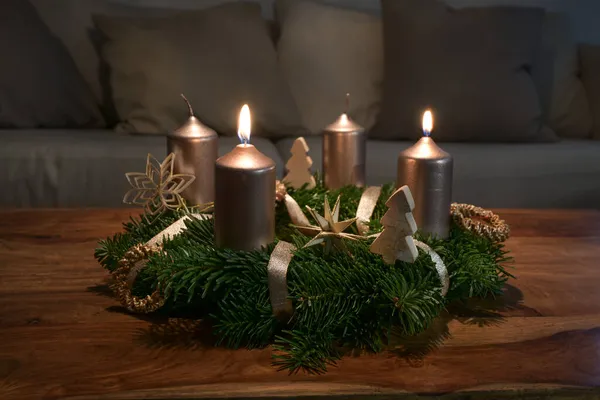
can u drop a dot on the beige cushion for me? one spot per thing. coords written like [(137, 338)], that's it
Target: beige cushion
[(220, 58), (326, 52), (590, 68), (71, 21), (470, 65)]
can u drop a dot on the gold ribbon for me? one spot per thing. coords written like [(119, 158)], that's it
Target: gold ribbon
[(296, 215), (480, 221), (277, 277), (135, 260), (174, 229), (365, 209), (439, 265)]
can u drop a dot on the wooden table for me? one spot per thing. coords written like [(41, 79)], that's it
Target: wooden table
[(63, 336)]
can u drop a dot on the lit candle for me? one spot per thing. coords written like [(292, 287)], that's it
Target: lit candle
[(344, 153), (244, 214), (427, 170), (196, 148)]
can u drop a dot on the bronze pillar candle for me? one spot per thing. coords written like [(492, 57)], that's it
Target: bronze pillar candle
[(244, 214), (344, 153), (196, 148), (427, 170)]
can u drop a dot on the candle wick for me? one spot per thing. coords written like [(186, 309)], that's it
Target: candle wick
[(188, 104), (347, 103)]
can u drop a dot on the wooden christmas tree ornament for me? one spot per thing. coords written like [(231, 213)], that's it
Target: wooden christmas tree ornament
[(298, 166), (395, 242)]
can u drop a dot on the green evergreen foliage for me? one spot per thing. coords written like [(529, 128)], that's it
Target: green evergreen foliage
[(340, 300)]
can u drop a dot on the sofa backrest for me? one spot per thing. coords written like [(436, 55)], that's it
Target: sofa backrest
[(71, 21)]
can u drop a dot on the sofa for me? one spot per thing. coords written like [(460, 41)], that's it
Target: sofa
[(85, 166)]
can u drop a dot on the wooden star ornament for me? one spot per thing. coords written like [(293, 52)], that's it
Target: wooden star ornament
[(158, 188), (329, 230)]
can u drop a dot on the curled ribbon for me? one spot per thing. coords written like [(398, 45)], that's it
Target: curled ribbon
[(174, 229), (135, 260), (277, 277), (439, 265), (295, 212), (365, 209)]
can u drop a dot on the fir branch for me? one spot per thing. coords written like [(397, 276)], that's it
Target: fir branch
[(145, 227), (339, 300), (111, 250), (307, 351), (231, 320)]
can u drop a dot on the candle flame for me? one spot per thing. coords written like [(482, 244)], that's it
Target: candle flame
[(244, 124), (427, 123)]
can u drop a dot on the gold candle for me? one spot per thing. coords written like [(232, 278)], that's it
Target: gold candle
[(427, 170), (344, 153), (244, 214), (196, 148)]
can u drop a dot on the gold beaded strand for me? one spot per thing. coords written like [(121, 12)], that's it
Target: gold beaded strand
[(123, 277), (480, 221)]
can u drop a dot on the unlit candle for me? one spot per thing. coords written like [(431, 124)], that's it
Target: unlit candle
[(344, 153), (196, 148)]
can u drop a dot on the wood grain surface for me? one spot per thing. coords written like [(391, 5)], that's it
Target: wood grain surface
[(63, 336)]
